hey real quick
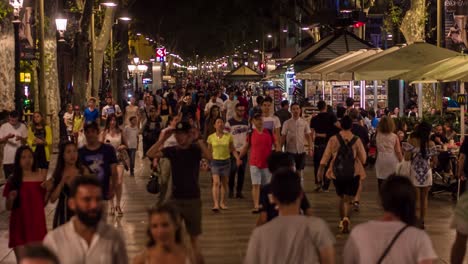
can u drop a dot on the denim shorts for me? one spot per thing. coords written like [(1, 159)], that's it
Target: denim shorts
[(221, 167), (260, 176)]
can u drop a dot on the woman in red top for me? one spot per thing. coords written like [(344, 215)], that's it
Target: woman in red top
[(25, 198)]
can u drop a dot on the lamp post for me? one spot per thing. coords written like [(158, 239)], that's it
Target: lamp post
[(17, 5), (61, 24), (123, 17), (136, 68)]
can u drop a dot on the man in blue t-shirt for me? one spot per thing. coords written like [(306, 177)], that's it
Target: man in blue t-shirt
[(100, 159), (91, 113)]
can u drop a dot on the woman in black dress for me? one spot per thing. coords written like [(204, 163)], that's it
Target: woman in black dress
[(68, 167)]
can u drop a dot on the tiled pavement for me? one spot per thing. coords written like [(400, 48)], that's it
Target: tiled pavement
[(226, 234)]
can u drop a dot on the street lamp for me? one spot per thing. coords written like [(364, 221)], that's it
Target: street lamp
[(109, 3), (136, 60), (17, 5), (123, 17), (61, 24)]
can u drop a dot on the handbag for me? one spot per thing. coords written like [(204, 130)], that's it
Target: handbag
[(404, 168), (391, 244), (153, 184)]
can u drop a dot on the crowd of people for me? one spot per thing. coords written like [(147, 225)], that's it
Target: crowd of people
[(224, 130)]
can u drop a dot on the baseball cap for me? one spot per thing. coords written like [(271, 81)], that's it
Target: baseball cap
[(91, 125), (183, 126)]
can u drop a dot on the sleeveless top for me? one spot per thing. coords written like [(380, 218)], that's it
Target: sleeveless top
[(386, 142), (115, 141), (147, 258)]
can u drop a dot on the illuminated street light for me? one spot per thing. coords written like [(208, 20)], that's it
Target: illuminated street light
[(136, 60), (61, 24), (269, 36), (17, 5), (109, 3), (305, 28)]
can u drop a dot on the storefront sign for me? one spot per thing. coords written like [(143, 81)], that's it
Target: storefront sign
[(161, 54), (461, 99)]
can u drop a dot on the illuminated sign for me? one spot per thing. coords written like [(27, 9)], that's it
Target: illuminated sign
[(25, 77), (161, 54)]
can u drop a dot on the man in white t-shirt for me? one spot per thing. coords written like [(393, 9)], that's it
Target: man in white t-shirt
[(229, 106), (270, 121), (13, 134), (290, 237), (110, 109), (214, 100)]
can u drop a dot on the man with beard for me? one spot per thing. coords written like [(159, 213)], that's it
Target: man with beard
[(85, 238)]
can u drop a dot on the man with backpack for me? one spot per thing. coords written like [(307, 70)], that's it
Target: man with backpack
[(111, 109), (348, 157), (260, 141)]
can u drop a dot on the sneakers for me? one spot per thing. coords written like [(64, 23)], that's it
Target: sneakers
[(345, 225)]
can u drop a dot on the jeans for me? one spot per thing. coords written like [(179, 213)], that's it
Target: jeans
[(132, 155), (318, 154), (240, 175)]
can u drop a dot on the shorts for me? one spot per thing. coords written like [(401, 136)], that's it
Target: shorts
[(221, 167), (347, 187), (191, 212), (299, 160), (260, 176)]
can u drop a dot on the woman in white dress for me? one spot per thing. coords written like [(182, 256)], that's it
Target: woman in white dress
[(421, 151), (113, 135), (388, 149)]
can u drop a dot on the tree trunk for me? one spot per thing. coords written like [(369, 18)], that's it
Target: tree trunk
[(413, 24), (52, 94), (100, 45), (81, 56), (7, 65)]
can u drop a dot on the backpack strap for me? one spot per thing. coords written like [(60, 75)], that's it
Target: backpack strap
[(340, 139), (353, 140)]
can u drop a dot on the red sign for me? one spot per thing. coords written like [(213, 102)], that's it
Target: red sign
[(161, 54)]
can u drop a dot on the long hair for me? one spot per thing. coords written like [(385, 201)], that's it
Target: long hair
[(175, 217), (34, 124), (108, 121), (398, 196), (59, 168), (386, 125), (16, 179), (210, 116), (422, 132)]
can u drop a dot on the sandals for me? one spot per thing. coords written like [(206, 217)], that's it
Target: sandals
[(215, 210), (119, 211), (255, 211), (223, 207), (356, 206)]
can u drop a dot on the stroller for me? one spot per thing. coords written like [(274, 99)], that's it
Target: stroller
[(443, 181)]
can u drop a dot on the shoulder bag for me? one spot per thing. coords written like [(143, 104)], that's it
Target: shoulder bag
[(389, 247)]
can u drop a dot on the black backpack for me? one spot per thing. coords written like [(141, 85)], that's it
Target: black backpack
[(343, 167)]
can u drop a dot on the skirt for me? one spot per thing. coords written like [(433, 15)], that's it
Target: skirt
[(221, 167), (385, 164)]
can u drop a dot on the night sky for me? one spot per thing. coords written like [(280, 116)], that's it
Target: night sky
[(206, 27)]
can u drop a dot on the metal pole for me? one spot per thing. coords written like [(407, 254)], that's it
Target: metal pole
[(93, 92), (42, 83), (18, 92), (111, 73), (462, 113), (420, 100), (376, 101), (439, 23), (401, 90)]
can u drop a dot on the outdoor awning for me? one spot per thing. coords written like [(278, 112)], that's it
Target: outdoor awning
[(328, 48), (403, 60), (326, 71), (243, 73), (450, 69)]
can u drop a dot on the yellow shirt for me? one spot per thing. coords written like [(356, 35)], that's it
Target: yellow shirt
[(77, 124), (221, 150)]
